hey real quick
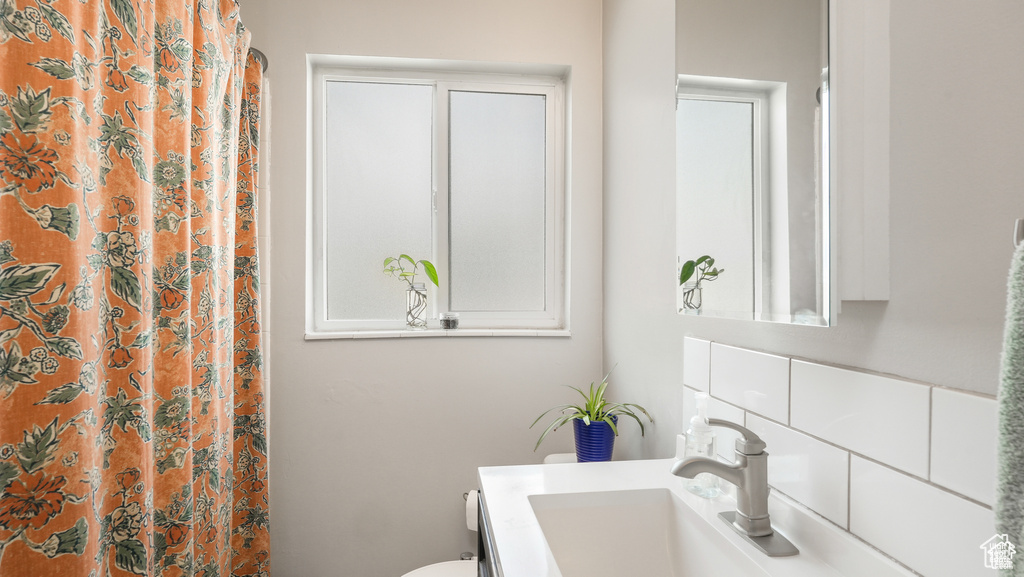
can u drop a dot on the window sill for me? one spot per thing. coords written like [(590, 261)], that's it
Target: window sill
[(434, 333)]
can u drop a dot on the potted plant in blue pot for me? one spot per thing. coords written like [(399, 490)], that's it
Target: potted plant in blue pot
[(595, 422)]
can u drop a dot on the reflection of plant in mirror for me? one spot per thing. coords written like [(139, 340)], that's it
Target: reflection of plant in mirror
[(703, 266), (397, 268)]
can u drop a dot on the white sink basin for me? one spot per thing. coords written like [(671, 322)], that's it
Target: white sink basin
[(648, 532), (635, 519)]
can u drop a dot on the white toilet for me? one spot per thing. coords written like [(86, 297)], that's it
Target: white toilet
[(467, 568), (446, 569), (463, 568)]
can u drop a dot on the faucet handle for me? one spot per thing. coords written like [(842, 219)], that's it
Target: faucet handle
[(748, 443)]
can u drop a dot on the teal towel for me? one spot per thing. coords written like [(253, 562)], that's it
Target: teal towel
[(1010, 491)]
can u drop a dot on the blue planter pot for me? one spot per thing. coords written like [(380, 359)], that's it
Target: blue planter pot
[(594, 442)]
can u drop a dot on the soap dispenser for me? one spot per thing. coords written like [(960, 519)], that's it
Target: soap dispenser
[(700, 442)]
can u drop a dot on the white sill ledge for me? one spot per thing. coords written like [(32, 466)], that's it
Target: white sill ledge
[(434, 333)]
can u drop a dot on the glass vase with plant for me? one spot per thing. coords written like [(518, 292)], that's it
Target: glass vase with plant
[(405, 268), (705, 270)]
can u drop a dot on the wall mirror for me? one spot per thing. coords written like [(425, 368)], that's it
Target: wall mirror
[(752, 159)]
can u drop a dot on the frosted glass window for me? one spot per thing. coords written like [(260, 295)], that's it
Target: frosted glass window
[(497, 201), (378, 172), (463, 169), (715, 178)]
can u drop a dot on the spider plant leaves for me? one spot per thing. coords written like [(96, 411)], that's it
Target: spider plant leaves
[(595, 408), (558, 422), (558, 408), (599, 398), (611, 423), (628, 410), (634, 406)]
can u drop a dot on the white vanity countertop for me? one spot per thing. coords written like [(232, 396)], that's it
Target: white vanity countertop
[(522, 551)]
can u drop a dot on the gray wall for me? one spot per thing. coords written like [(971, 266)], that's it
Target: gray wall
[(957, 184), (374, 441)]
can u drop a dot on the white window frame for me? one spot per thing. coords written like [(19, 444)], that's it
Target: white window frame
[(445, 77)]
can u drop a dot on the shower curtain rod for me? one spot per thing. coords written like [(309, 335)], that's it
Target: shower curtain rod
[(264, 63)]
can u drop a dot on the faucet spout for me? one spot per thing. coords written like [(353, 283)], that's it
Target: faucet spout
[(750, 475), (692, 466)]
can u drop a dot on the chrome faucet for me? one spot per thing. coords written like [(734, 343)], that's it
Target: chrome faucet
[(750, 475)]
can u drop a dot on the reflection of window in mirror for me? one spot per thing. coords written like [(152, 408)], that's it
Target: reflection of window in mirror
[(778, 49), (731, 163)]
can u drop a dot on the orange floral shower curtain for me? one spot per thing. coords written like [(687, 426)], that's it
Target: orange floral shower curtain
[(132, 420)]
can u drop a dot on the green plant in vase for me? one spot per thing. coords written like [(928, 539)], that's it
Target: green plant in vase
[(404, 267), (705, 270), (594, 416)]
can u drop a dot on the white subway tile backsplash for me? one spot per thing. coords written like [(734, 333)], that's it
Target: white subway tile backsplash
[(964, 444), (758, 382), (826, 427), (880, 417), (696, 363), (933, 532), (725, 439), (808, 470)]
